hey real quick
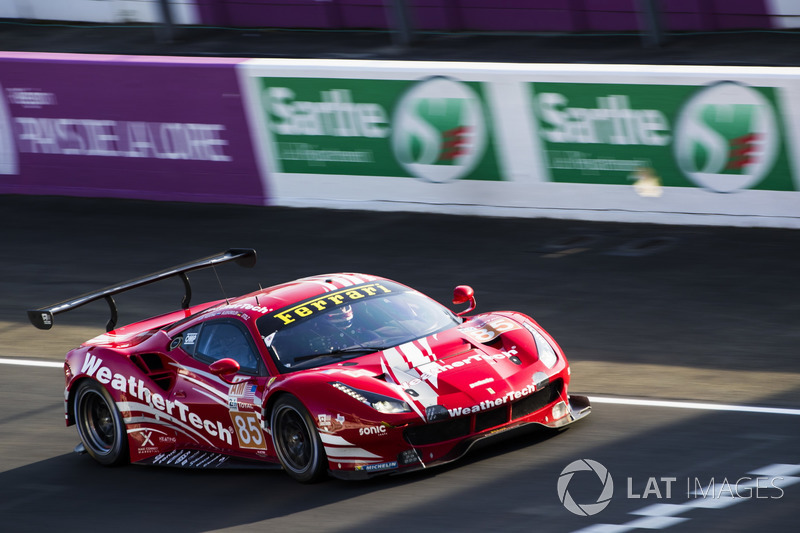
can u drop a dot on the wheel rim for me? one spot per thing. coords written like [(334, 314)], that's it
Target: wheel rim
[(293, 442), (97, 424)]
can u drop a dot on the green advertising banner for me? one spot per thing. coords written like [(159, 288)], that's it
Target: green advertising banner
[(437, 129), (725, 137)]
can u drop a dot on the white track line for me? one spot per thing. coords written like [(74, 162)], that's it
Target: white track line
[(593, 399), (31, 362), (696, 405)]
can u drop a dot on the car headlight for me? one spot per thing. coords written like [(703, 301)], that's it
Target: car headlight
[(379, 402), (547, 355)]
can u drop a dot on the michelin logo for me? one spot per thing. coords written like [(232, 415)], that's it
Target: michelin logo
[(8, 152)]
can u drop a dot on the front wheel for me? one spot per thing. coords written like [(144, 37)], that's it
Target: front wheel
[(100, 424), (297, 442)]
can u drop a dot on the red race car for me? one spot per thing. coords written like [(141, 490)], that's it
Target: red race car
[(344, 374)]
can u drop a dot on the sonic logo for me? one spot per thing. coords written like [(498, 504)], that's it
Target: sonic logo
[(372, 430)]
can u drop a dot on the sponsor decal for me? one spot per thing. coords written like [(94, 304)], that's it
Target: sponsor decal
[(727, 137), (146, 435), (602, 133), (244, 390), (30, 98), (491, 404), (246, 307), (136, 389), (329, 423), (372, 430), (434, 129), (242, 396), (248, 431), (484, 331), (231, 312), (238, 405), (120, 138), (429, 371), (330, 301), (481, 382), (8, 150), (724, 137), (336, 114), (373, 467), (190, 459), (611, 121), (439, 130)]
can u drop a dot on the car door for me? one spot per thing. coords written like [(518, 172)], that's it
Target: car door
[(221, 415)]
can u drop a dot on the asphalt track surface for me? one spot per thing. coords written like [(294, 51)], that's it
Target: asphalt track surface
[(698, 314), (758, 47)]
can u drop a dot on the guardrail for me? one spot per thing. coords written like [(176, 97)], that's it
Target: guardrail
[(679, 145)]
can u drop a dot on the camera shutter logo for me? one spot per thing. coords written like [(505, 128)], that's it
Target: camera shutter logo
[(439, 130), (587, 509)]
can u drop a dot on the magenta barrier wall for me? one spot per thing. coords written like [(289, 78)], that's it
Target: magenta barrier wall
[(487, 15), (154, 128)]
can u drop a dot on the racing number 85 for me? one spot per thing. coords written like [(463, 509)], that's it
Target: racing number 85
[(490, 330), (248, 431)]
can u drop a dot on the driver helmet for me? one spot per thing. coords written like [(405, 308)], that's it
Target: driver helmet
[(341, 317)]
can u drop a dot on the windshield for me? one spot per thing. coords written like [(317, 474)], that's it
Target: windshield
[(352, 327)]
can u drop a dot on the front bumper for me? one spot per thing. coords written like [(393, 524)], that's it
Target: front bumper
[(430, 455)]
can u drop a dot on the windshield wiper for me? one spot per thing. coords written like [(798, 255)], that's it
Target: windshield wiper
[(361, 349), (352, 350)]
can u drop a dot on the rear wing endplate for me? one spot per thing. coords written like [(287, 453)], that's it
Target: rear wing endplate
[(42, 318)]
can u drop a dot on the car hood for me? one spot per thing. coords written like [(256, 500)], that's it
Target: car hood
[(464, 369)]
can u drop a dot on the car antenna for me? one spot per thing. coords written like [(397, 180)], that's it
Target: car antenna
[(261, 289), (214, 268)]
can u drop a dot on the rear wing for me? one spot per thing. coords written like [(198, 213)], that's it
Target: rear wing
[(42, 318)]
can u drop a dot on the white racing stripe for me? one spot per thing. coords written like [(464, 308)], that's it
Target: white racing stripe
[(594, 399)]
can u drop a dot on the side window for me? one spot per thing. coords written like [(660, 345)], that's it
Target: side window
[(220, 339), (189, 343)]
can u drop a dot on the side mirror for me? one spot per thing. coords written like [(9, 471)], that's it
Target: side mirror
[(225, 368), (463, 294)]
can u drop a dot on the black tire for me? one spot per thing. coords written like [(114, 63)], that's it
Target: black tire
[(100, 424), (297, 442)]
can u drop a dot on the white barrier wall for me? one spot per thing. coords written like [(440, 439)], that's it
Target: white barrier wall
[(102, 11), (682, 145)]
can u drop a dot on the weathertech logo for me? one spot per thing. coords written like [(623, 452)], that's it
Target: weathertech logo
[(726, 137), (439, 130)]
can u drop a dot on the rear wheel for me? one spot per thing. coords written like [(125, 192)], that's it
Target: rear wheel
[(100, 424), (297, 442)]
